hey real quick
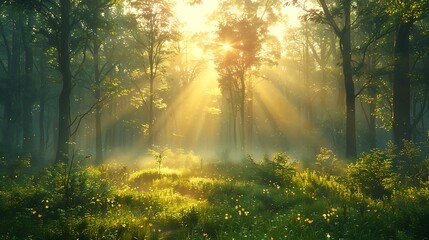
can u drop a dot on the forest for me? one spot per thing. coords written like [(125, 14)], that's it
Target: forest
[(214, 119)]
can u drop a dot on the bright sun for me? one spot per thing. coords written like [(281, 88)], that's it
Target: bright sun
[(226, 47)]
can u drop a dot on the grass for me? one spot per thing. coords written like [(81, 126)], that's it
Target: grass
[(268, 199)]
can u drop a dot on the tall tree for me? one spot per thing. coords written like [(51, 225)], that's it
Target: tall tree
[(98, 28), (406, 13), (63, 51), (157, 27), (28, 96), (329, 16), (241, 38), (11, 40)]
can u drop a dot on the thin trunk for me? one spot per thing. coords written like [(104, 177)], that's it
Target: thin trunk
[(346, 52), (233, 117), (28, 131), (372, 126), (151, 92), (98, 135), (401, 86), (344, 35), (42, 103), (249, 124), (64, 118), (11, 107), (306, 70), (242, 111)]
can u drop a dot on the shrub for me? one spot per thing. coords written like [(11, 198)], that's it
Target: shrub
[(277, 170), (327, 162), (372, 175), (412, 166), (284, 167)]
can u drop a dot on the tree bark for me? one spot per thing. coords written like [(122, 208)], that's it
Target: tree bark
[(28, 131), (11, 106), (372, 124), (98, 133), (64, 98), (345, 46), (401, 86), (242, 113), (345, 41), (42, 102), (250, 116)]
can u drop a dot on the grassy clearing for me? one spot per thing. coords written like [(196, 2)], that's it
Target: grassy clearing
[(264, 199)]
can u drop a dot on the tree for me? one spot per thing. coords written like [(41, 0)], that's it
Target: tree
[(240, 40), (63, 50), (343, 32), (156, 29), (98, 29), (28, 98), (11, 40), (406, 14)]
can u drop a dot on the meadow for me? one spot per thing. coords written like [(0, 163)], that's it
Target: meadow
[(182, 196)]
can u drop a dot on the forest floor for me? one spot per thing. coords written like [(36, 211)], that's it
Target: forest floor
[(266, 199)]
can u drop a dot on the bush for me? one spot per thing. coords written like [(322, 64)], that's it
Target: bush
[(277, 170), (411, 165), (284, 167), (372, 175), (327, 162)]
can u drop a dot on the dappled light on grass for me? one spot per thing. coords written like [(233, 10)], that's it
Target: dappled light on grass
[(255, 199)]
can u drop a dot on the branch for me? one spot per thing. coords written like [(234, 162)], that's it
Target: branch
[(374, 39), (140, 92), (365, 85), (330, 18), (80, 117), (364, 112), (423, 110), (104, 74), (265, 9), (81, 63)]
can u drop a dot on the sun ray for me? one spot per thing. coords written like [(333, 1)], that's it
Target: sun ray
[(281, 116)]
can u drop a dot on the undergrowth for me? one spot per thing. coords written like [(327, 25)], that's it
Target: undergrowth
[(374, 197)]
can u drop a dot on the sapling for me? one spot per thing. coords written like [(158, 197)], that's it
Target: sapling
[(159, 153)]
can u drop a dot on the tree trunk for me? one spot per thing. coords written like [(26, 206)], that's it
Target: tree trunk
[(372, 125), (306, 73), (42, 102), (249, 123), (28, 131), (345, 42), (151, 92), (98, 135), (64, 98), (242, 113), (401, 86), (345, 46), (11, 107), (233, 117)]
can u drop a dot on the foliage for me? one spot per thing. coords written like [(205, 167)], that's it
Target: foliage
[(278, 170), (255, 200), (372, 174), (327, 162), (159, 153)]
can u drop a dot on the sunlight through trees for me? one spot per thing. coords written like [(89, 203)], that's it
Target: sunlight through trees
[(201, 119)]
